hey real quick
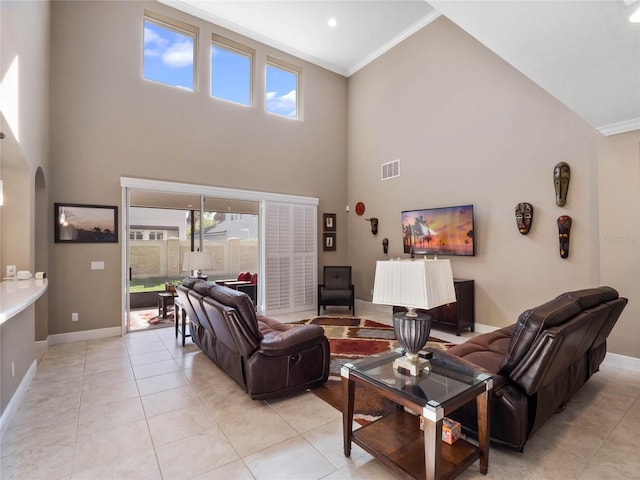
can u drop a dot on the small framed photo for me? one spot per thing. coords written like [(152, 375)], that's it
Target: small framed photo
[(77, 223), (329, 243), (329, 222)]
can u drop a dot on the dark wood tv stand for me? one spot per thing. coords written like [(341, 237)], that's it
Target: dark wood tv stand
[(458, 316)]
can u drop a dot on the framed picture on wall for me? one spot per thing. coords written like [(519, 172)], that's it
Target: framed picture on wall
[(329, 243), (329, 222), (78, 223)]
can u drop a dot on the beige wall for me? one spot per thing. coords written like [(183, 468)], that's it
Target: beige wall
[(24, 153), (24, 166), (108, 122), (469, 128), (24, 73), (619, 216)]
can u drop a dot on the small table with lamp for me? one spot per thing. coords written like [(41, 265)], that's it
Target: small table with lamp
[(424, 385), (396, 440)]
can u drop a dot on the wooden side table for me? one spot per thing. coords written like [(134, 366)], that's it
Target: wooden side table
[(396, 440), (180, 317), (165, 300)]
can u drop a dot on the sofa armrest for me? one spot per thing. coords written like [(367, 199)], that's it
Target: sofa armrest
[(538, 363), (289, 341)]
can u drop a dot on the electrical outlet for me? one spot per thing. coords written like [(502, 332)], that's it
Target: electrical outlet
[(74, 317)]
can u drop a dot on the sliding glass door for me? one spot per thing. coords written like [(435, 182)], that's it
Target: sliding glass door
[(163, 220)]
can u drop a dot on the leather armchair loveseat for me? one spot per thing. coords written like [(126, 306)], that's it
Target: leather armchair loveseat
[(264, 356), (539, 362)]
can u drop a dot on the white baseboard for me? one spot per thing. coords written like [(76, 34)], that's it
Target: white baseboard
[(622, 361), (363, 304), (482, 328), (40, 348), (83, 335), (16, 400)]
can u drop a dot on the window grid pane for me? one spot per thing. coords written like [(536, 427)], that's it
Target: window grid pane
[(281, 92), (168, 55), (230, 75)]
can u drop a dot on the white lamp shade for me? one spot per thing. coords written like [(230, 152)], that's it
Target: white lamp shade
[(197, 261), (414, 283)]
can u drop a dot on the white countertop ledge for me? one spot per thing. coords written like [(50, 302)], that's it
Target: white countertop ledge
[(16, 295)]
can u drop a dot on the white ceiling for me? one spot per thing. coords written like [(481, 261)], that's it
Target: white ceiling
[(584, 53)]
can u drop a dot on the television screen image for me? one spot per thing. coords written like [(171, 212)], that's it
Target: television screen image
[(439, 231)]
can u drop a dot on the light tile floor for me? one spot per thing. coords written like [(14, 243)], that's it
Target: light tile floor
[(144, 407)]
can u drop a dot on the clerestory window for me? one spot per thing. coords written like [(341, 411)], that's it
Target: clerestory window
[(231, 71), (282, 88), (169, 51)]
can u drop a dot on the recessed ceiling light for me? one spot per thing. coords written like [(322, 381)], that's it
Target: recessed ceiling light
[(635, 18), (332, 22)]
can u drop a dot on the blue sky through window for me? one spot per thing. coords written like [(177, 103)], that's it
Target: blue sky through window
[(230, 75), (168, 56), (281, 91)]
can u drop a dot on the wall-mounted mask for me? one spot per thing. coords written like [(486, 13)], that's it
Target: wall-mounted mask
[(561, 178), (374, 224), (564, 233), (385, 245), (524, 217)]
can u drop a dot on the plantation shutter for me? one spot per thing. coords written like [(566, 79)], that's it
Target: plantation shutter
[(290, 256)]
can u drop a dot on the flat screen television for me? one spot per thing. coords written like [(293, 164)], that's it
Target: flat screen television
[(439, 231)]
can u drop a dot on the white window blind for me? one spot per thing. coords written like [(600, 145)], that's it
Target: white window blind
[(290, 253)]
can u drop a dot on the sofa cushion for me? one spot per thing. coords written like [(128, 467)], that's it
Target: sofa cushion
[(201, 286), (189, 282), (487, 350), (269, 325), (531, 322), (241, 302), (590, 297)]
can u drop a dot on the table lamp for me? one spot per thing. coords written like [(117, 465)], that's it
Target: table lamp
[(413, 284), (196, 262)]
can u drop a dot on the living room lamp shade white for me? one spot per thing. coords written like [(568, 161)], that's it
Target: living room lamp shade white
[(196, 262), (413, 284)]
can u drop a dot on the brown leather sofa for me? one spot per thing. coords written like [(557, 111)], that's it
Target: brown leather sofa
[(264, 356), (540, 362)]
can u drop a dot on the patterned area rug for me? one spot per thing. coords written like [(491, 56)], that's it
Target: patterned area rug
[(352, 338), (145, 319)]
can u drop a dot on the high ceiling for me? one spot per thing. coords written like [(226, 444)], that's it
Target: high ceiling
[(584, 53)]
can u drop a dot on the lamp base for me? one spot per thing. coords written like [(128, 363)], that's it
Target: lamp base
[(415, 367), (412, 331)]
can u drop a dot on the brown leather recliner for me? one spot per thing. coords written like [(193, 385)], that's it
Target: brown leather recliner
[(540, 362), (264, 356)]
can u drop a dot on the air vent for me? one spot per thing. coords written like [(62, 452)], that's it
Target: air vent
[(391, 170)]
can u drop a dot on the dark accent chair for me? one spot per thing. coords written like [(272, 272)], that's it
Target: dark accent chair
[(336, 289)]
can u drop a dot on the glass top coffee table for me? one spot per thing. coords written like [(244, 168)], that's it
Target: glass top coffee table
[(396, 440)]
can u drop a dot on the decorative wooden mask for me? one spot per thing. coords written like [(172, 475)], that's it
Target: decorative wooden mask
[(564, 233), (561, 178), (374, 224), (524, 217)]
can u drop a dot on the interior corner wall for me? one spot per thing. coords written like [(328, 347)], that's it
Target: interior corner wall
[(619, 217), (24, 153), (108, 122), (470, 129)]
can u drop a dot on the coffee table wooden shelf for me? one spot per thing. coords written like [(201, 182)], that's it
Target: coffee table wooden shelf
[(396, 440)]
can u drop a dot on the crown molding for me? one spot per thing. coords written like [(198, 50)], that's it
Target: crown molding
[(620, 127), (423, 22)]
